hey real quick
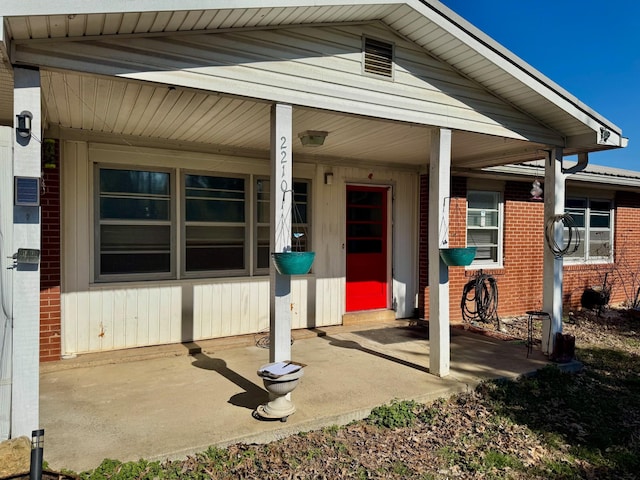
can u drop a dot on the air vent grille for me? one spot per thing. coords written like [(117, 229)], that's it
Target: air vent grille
[(378, 57)]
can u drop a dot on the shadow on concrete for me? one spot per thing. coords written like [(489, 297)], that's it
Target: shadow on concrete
[(350, 344), (253, 394), (389, 336)]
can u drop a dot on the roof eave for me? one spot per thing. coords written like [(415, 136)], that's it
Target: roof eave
[(533, 78), (629, 181)]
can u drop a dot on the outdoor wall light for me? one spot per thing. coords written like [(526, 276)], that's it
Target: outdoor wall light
[(312, 138), (328, 178), (24, 124)]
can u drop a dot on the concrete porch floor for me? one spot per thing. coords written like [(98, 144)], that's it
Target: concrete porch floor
[(171, 401)]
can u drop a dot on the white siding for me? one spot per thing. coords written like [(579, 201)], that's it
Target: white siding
[(102, 316), (318, 67)]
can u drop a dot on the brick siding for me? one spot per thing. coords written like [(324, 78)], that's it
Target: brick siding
[(520, 281), (50, 317)]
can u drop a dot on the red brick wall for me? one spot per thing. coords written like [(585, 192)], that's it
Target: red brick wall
[(626, 278), (520, 281), (50, 318)]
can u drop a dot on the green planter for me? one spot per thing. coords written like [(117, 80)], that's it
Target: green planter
[(458, 257), (293, 263)]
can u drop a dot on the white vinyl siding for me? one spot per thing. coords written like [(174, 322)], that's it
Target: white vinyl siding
[(317, 67), (484, 226)]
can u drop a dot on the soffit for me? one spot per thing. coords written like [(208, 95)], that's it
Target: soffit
[(130, 111)]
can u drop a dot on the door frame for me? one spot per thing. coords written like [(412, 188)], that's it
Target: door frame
[(389, 253)]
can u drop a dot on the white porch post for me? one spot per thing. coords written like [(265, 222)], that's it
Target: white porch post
[(554, 193), (26, 276), (439, 194), (281, 202)]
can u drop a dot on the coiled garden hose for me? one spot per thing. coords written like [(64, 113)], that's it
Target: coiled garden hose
[(573, 240), (480, 299)]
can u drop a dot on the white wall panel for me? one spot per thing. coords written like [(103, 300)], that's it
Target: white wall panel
[(99, 316)]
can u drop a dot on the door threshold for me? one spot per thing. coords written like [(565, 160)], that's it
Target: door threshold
[(368, 317)]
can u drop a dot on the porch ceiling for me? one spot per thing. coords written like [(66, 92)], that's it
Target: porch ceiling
[(134, 111), (92, 107)]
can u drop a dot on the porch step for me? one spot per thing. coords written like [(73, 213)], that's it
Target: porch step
[(368, 317)]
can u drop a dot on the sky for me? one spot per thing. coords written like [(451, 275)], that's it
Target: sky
[(591, 48)]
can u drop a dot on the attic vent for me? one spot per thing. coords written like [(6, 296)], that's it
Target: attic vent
[(378, 57)]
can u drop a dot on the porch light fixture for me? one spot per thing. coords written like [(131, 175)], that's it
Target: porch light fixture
[(328, 178), (312, 138), (24, 124)]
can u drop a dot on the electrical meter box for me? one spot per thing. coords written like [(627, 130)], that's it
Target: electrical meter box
[(28, 255)]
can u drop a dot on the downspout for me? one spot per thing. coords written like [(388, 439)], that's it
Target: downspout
[(583, 161)]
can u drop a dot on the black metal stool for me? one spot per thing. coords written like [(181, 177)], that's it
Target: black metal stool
[(534, 314)]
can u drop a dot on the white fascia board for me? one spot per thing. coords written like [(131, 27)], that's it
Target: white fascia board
[(514, 65), (84, 7)]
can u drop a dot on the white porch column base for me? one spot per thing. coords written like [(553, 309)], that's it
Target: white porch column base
[(439, 195), (281, 204), (554, 200), (25, 393)]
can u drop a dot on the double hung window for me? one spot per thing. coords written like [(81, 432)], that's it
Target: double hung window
[(484, 226), (593, 220), (214, 223), (134, 230)]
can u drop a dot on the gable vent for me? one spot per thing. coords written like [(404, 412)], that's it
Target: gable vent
[(378, 57)]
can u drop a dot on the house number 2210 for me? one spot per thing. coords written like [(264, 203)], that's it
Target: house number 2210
[(284, 185)]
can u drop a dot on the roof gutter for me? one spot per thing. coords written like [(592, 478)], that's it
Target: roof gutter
[(618, 181)]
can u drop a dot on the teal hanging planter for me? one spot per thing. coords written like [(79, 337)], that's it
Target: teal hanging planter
[(293, 263), (458, 257)]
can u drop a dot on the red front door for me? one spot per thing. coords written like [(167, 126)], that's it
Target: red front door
[(366, 248)]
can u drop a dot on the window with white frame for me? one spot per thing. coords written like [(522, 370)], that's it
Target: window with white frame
[(484, 226), (593, 219), (137, 213)]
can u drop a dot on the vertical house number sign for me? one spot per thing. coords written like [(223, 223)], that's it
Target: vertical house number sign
[(284, 184)]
